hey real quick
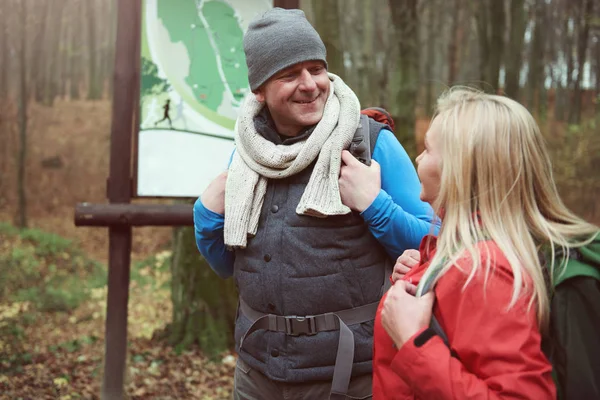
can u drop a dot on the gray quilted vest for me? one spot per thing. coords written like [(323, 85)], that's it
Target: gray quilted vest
[(298, 265)]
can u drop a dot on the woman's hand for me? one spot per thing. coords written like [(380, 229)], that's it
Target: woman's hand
[(403, 314), (409, 259)]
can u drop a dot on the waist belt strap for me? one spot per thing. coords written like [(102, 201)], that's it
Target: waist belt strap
[(311, 325)]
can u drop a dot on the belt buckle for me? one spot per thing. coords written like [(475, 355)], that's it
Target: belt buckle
[(296, 326)]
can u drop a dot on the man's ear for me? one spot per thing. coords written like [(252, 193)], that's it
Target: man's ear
[(259, 95)]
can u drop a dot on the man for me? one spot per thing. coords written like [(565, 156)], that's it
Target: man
[(308, 245), (167, 110)]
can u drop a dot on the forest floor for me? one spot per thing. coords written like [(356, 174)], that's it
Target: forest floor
[(52, 326)]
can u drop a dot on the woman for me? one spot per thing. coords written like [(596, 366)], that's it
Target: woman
[(486, 172)]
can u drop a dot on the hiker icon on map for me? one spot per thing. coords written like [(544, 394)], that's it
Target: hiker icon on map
[(167, 108)]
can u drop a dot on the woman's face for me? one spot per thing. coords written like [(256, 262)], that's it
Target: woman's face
[(429, 163)]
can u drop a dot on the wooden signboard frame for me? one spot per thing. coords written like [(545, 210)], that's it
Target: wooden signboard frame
[(119, 215)]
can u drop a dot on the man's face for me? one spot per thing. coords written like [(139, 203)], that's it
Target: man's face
[(296, 96)]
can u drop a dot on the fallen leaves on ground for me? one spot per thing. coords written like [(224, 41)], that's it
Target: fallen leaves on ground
[(59, 355)]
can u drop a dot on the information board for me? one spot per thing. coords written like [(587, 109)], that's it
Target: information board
[(193, 81)]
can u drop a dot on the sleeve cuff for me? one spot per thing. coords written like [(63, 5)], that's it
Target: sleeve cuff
[(203, 217), (377, 206), (412, 352)]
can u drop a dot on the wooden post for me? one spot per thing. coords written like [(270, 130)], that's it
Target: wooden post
[(133, 215), (120, 215), (119, 191), (287, 3)]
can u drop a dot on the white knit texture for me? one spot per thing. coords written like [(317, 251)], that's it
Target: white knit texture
[(256, 159)]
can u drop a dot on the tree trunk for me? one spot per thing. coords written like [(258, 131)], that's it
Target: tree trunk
[(481, 11), (453, 44), (366, 89), (535, 78), (75, 51), (433, 28), (327, 23), (110, 53), (351, 34), (404, 80), (204, 305), (562, 93), (94, 88), (515, 51), (497, 20), (22, 205), (38, 67), (597, 58), (4, 55), (53, 55), (63, 61), (582, 44), (382, 62)]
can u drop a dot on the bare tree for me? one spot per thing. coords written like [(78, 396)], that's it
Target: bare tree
[(597, 73), (535, 79), (22, 205), (38, 72), (455, 39), (431, 22), (515, 48), (53, 55), (94, 87), (404, 79), (110, 36), (75, 50), (490, 19), (565, 61), (63, 61), (583, 27), (327, 23), (4, 52), (366, 66)]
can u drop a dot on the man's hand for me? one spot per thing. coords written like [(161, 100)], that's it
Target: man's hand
[(409, 259), (403, 314), (359, 184), (213, 197)]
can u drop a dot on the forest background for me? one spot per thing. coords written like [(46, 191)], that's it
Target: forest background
[(56, 70)]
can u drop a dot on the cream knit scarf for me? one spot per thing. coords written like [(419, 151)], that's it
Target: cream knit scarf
[(256, 159)]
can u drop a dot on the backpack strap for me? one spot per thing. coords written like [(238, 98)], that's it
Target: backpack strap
[(360, 147), (294, 325), (579, 264), (434, 323)]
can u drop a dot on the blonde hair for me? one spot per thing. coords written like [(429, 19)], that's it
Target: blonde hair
[(496, 184)]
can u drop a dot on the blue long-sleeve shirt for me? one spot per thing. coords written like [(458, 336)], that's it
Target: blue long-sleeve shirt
[(397, 217)]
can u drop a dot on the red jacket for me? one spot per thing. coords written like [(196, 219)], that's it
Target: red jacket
[(496, 352)]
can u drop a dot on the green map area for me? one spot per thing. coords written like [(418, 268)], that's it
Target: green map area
[(197, 45), (213, 39)]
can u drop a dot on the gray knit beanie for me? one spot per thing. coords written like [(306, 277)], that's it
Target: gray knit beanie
[(279, 39)]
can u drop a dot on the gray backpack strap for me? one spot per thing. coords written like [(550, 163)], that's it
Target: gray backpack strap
[(434, 323), (387, 275), (437, 328), (311, 325), (360, 147)]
